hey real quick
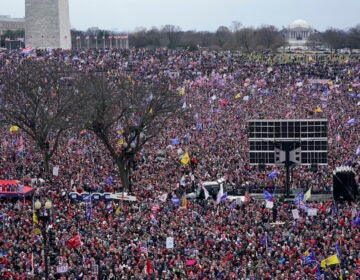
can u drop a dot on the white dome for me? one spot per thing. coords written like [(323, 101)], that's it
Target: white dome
[(299, 23)]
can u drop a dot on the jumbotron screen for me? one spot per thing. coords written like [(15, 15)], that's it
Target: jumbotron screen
[(266, 135)]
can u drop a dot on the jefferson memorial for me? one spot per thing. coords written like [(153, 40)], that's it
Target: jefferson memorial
[(298, 33)]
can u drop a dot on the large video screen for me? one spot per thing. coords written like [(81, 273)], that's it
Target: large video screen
[(266, 135)]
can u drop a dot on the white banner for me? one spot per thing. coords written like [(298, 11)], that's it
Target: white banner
[(312, 212), (269, 204), (62, 268), (295, 214), (169, 242), (56, 171)]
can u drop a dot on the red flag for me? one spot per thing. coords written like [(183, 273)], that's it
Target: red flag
[(149, 267), (247, 197), (74, 241)]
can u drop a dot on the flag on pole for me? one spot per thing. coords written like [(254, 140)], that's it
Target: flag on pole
[(308, 257), (273, 174), (74, 241), (220, 194), (184, 202), (163, 197), (357, 152), (247, 197), (35, 218), (351, 121), (185, 159), (175, 201), (330, 261), (299, 197), (143, 247), (268, 196), (155, 207), (118, 211), (149, 267), (307, 195), (337, 249)]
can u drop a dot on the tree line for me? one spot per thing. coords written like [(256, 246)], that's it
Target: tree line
[(236, 37), (48, 100)]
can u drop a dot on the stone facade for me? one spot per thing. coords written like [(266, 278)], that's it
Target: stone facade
[(47, 24), (9, 23)]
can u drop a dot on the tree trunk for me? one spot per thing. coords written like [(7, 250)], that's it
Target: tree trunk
[(124, 173), (46, 160)]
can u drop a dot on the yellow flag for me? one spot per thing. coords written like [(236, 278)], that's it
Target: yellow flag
[(237, 96), (318, 110), (182, 91), (14, 128), (307, 195), (330, 261), (35, 218), (120, 142), (36, 231), (185, 159), (184, 202), (118, 211)]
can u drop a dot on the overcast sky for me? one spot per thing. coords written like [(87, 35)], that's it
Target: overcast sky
[(202, 15)]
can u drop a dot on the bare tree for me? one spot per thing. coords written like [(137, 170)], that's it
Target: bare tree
[(354, 37), (235, 26), (125, 114), (223, 35), (244, 38), (173, 34), (335, 39), (268, 38), (38, 97)]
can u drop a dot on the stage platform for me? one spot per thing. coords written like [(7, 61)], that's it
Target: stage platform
[(13, 189)]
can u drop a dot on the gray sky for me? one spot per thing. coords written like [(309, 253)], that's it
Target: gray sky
[(202, 15)]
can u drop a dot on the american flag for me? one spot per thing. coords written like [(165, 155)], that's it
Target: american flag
[(155, 208), (247, 197), (143, 248)]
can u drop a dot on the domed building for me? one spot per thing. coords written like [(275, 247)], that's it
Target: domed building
[(298, 33)]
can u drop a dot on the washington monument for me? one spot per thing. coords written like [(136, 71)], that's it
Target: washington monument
[(47, 24)]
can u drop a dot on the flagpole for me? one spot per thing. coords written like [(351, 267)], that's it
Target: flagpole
[(32, 263), (266, 241)]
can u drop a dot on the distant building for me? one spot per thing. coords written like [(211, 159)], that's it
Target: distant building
[(47, 24), (13, 24), (298, 33)]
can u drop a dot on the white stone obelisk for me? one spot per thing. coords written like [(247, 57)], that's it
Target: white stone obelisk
[(47, 24)]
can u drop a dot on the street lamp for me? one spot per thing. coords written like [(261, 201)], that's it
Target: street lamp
[(43, 215)]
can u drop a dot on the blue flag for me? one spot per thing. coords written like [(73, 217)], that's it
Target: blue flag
[(337, 249), (109, 180), (268, 196), (334, 209), (299, 197), (264, 240), (273, 174), (174, 142), (318, 272), (352, 121), (175, 201), (356, 221), (88, 208), (308, 257), (357, 152)]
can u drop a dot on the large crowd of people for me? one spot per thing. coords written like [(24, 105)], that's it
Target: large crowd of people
[(226, 240)]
